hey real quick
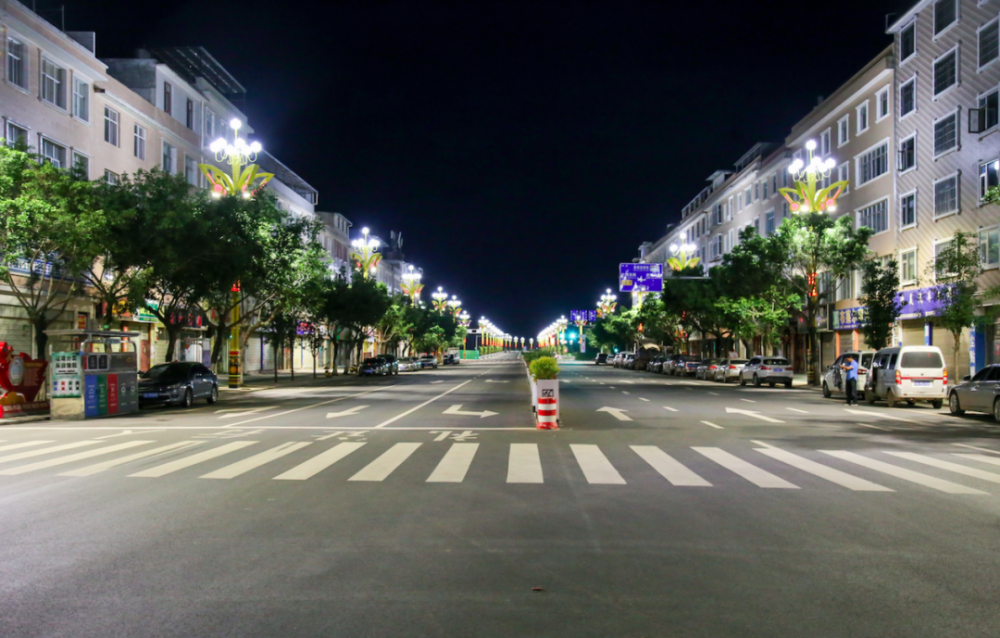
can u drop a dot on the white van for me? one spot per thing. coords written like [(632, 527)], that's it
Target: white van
[(908, 373)]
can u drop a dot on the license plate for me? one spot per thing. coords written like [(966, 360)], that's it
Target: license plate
[(921, 383), (779, 369), (150, 395)]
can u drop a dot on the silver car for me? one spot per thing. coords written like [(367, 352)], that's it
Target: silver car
[(729, 369), (833, 378), (769, 370), (980, 393)]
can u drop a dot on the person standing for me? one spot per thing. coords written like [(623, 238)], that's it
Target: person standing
[(850, 368)]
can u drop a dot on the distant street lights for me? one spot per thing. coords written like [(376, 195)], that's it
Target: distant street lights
[(440, 298), (411, 284), (365, 256)]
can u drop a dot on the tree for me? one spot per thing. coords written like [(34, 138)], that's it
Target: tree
[(955, 270), (879, 286)]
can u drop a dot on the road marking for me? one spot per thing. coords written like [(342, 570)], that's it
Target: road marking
[(629, 382), (712, 425), (111, 436), (903, 473), (47, 450), (194, 459), (824, 472), (595, 466), (433, 382), (457, 410), (668, 467), (15, 446), (612, 387), (414, 409), (880, 415), (387, 463), (756, 415), (796, 410), (946, 465), (255, 461), (714, 393), (62, 460), (353, 411), (667, 407), (642, 399), (238, 412), (315, 405), (318, 463), (979, 457), (565, 381), (877, 427), (972, 447), (106, 465), (752, 473), (616, 412), (748, 400), (624, 392), (524, 464), (455, 464), (497, 381)]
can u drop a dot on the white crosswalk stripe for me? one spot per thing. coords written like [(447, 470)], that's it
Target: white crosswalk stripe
[(63, 460), (982, 458), (107, 465), (455, 464), (524, 465), (903, 473), (17, 446), (48, 450), (668, 467), (194, 459), (386, 464), (752, 473), (596, 467), (844, 479), (318, 463), (992, 477), (255, 461)]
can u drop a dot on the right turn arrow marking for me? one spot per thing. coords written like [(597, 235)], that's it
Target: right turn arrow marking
[(616, 412)]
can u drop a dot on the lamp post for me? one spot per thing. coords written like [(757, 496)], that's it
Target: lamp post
[(440, 298), (681, 260), (365, 255), (562, 323), (607, 303), (580, 323), (411, 284), (454, 305), (241, 157)]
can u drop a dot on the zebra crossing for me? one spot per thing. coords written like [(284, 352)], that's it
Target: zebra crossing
[(699, 466)]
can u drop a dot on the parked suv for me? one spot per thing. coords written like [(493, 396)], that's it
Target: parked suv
[(908, 373), (833, 378), (769, 370), (675, 365), (391, 362), (602, 357), (980, 393)]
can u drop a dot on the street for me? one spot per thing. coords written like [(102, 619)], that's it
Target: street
[(400, 506)]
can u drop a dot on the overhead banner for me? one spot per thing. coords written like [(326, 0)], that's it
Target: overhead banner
[(640, 277)]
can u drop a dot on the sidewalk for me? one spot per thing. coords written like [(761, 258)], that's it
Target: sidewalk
[(257, 382)]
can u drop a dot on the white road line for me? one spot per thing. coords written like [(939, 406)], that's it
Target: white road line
[(387, 463), (795, 410), (414, 409), (752, 473), (992, 460), (667, 407), (668, 467), (105, 465), (455, 464), (824, 472), (748, 400), (595, 466), (15, 446), (524, 464), (714, 393), (981, 449), (641, 399), (194, 459), (880, 415), (712, 425), (46, 450), (62, 460), (629, 382), (318, 463), (624, 392), (255, 461), (946, 465), (903, 473), (314, 405), (876, 427)]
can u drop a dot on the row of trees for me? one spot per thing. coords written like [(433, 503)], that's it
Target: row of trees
[(153, 242)]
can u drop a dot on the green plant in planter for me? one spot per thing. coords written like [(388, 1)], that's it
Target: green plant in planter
[(544, 368)]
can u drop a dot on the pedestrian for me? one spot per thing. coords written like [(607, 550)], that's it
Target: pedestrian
[(850, 366)]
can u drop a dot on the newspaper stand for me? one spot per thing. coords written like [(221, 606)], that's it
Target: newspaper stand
[(87, 379)]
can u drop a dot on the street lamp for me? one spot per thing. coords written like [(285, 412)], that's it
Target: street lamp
[(805, 197), (607, 303), (440, 298), (682, 261), (365, 256), (454, 305), (411, 284), (239, 154)]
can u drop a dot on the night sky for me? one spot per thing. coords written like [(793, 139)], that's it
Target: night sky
[(524, 149)]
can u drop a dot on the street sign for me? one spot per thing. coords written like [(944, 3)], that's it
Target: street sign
[(640, 277), (588, 316)]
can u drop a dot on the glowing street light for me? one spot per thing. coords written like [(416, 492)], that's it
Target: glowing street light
[(805, 197), (606, 304), (411, 284), (238, 154), (454, 305), (365, 254), (440, 298), (682, 261)]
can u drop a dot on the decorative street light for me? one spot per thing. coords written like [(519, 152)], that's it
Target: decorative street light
[(805, 197), (440, 299), (239, 154), (464, 319), (411, 284), (365, 256), (454, 305), (581, 322), (607, 303), (562, 323), (682, 261)]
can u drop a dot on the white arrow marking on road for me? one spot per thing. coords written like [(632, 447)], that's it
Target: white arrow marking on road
[(756, 415), (125, 433), (712, 425), (748, 400), (616, 412), (799, 411), (457, 410), (881, 416), (351, 412), (667, 407), (234, 412)]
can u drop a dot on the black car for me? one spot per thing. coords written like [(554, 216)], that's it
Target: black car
[(373, 366), (450, 360), (602, 357), (178, 383), (391, 362)]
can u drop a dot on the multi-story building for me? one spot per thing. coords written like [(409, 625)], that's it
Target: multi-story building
[(335, 237), (947, 144)]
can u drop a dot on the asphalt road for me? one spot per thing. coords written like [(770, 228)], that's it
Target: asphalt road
[(428, 505)]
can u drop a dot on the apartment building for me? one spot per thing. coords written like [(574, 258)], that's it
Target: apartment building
[(947, 144)]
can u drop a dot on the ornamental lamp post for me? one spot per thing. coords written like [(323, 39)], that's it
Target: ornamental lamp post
[(606, 305), (562, 323), (241, 157), (440, 298), (365, 256), (411, 284), (580, 322), (681, 261), (454, 305)]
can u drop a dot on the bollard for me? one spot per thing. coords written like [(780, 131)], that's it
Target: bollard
[(548, 405)]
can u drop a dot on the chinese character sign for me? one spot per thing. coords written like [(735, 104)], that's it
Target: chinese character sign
[(640, 277)]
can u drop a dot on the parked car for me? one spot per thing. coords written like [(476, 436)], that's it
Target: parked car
[(428, 361), (689, 367), (980, 393), (769, 370), (629, 363), (655, 364), (391, 362), (729, 369), (602, 357), (706, 369), (621, 358), (178, 383), (406, 364), (373, 366), (677, 364), (833, 378), (450, 360), (908, 373)]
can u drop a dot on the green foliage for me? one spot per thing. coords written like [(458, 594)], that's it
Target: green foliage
[(544, 368), (879, 284), (955, 270), (538, 353), (992, 196)]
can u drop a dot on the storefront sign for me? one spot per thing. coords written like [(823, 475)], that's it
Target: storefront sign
[(21, 378), (922, 302), (848, 318)]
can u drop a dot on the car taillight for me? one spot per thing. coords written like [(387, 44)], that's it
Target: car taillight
[(946, 376), (899, 378), (764, 368), (733, 368), (712, 367), (862, 371)]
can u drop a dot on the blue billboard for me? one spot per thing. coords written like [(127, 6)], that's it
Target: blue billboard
[(640, 277)]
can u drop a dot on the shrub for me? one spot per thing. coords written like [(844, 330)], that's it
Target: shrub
[(544, 368)]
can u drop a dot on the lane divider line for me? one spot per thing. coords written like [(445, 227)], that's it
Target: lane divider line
[(315, 405), (414, 409), (712, 425)]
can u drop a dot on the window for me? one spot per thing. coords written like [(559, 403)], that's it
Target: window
[(784, 210), (907, 42), (844, 175), (873, 163), (784, 177), (845, 289), (756, 191), (17, 72), (989, 42), (945, 14), (111, 178), (908, 267), (54, 153), (843, 126), (988, 111), (729, 240), (168, 158), (746, 196), (875, 216), (191, 170), (53, 88), (769, 223), (862, 110), (756, 225), (824, 143), (81, 100), (111, 126), (945, 71), (168, 97), (946, 134), (82, 162), (988, 176), (940, 247), (765, 189), (908, 210), (989, 246), (139, 142), (16, 134), (209, 124), (882, 104), (908, 97), (946, 196), (774, 184), (189, 114), (908, 153)]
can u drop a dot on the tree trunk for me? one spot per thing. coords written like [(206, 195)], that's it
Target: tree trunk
[(172, 332), (274, 349), (217, 347), (956, 346), (315, 352), (41, 339), (291, 352), (334, 347)]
